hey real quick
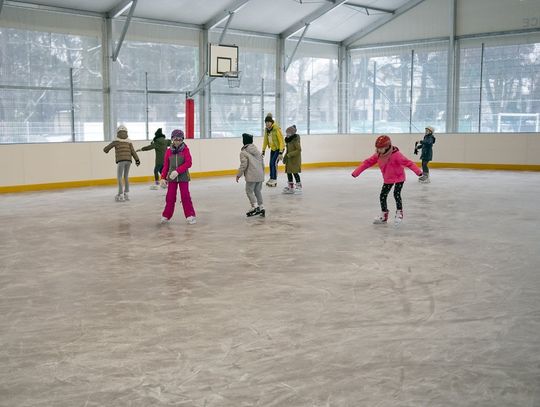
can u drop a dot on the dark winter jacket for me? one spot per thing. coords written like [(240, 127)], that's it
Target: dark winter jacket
[(160, 144), (427, 147), (293, 156)]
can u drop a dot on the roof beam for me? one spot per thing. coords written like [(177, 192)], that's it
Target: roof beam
[(222, 36), (237, 5), (120, 9), (363, 7), (296, 48), (347, 42), (321, 11), (124, 28)]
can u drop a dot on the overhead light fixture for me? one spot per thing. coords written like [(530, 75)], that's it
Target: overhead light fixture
[(123, 9)]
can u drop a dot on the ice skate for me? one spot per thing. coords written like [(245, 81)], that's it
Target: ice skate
[(252, 212), (298, 188), (261, 212), (126, 197), (154, 187), (399, 217), (191, 220), (424, 179), (381, 219), (119, 198), (163, 220), (289, 189), (271, 183)]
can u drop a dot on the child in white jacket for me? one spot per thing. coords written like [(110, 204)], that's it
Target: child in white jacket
[(252, 168)]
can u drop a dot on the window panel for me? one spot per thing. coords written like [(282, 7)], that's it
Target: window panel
[(322, 75), (236, 110)]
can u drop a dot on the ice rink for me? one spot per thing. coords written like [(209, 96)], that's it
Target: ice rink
[(100, 305)]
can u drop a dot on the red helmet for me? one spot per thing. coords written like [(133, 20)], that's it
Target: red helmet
[(383, 142)]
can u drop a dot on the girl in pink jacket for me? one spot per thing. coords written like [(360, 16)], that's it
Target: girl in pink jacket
[(176, 170), (392, 163)]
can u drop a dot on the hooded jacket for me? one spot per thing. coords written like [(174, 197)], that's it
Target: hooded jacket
[(123, 148), (427, 147), (392, 166), (251, 164), (293, 156)]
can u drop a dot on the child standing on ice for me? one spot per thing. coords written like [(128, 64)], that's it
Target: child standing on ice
[(176, 166), (124, 150), (252, 168), (392, 163)]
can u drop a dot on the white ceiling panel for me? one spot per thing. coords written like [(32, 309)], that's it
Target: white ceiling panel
[(264, 16)]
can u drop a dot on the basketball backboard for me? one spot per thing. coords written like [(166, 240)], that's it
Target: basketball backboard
[(223, 59)]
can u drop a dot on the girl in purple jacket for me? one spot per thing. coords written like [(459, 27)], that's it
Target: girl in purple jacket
[(392, 163)]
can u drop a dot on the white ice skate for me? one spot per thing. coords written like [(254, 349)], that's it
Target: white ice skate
[(424, 179), (191, 220), (298, 189), (119, 198), (381, 219), (399, 217), (126, 197), (163, 220), (288, 190), (154, 187), (271, 183)]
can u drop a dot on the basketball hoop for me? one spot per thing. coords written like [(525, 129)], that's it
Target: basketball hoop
[(234, 78)]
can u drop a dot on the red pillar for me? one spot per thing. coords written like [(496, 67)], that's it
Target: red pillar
[(190, 118)]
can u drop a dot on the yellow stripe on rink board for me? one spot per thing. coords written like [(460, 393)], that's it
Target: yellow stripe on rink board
[(206, 174)]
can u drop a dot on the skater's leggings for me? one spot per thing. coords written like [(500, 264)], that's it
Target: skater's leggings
[(253, 192), (170, 200), (425, 168), (397, 195), (273, 165), (296, 177), (122, 171), (157, 171)]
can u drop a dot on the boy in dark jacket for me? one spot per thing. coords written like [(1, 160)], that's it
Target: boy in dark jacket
[(426, 145), (160, 144)]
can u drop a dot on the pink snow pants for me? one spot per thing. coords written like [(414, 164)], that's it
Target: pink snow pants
[(170, 200)]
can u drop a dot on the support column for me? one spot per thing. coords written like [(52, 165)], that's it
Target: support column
[(280, 82), (451, 107), (343, 90), (109, 115)]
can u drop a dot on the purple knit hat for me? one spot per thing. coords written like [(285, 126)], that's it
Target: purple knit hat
[(177, 134)]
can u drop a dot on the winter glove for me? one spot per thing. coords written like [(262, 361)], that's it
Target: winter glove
[(173, 175), (137, 163), (279, 157), (163, 183), (237, 178)]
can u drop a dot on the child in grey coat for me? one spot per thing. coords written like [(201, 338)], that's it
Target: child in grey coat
[(252, 168)]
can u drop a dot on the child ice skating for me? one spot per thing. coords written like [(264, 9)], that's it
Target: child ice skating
[(176, 166), (252, 168), (293, 161), (426, 145), (392, 163), (159, 144), (273, 138), (123, 149)]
